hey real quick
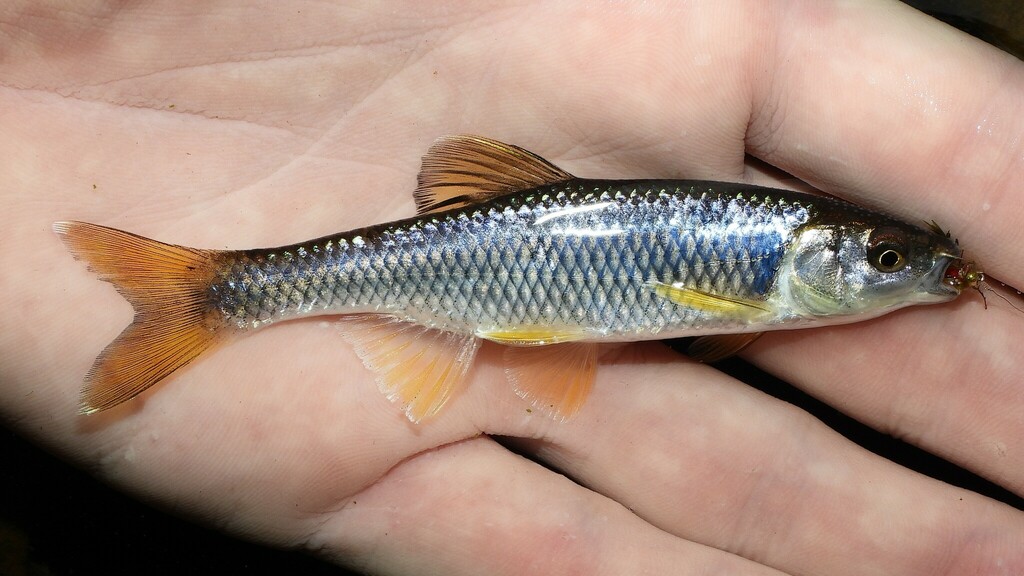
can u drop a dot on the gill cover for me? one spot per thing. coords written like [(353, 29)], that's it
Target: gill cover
[(866, 268)]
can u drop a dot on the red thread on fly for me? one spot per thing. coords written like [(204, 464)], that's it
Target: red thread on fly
[(963, 274)]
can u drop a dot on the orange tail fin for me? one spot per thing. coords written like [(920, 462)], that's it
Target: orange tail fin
[(174, 321)]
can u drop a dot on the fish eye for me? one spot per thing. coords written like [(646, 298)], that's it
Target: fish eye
[(887, 249)]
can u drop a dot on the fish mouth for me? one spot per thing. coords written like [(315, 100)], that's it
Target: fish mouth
[(935, 282), (944, 290)]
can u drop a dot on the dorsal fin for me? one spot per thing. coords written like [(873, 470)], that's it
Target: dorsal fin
[(462, 170)]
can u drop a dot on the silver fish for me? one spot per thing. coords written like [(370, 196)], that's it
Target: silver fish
[(511, 249)]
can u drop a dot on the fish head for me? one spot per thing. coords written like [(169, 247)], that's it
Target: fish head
[(866, 267)]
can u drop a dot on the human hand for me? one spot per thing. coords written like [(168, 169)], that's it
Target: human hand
[(239, 127)]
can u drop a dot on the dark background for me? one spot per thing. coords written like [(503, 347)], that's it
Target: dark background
[(56, 520)]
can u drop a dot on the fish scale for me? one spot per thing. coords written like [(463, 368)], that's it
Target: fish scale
[(578, 255)]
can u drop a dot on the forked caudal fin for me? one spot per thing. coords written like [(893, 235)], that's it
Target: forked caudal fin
[(167, 285)]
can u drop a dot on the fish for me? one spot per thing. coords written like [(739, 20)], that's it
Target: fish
[(508, 248)]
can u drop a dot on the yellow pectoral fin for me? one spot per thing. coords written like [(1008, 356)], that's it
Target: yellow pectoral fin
[(533, 335), (710, 303)]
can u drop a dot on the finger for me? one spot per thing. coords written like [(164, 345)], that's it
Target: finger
[(933, 138), (704, 457), (475, 508), (947, 380), (860, 103)]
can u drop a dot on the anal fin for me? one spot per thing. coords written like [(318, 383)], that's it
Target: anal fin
[(417, 367), (555, 379)]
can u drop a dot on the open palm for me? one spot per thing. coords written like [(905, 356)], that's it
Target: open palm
[(232, 126)]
